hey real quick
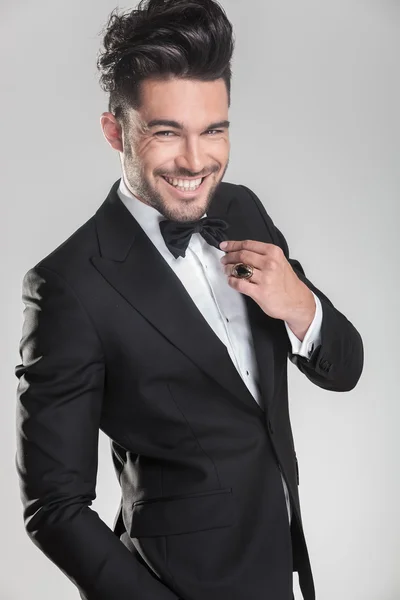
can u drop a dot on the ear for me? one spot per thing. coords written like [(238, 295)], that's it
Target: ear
[(111, 130)]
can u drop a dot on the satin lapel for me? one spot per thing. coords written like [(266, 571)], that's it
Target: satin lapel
[(133, 266)]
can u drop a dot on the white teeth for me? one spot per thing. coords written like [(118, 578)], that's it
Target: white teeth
[(185, 184)]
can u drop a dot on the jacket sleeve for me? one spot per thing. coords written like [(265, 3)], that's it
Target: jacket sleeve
[(337, 362), (59, 405)]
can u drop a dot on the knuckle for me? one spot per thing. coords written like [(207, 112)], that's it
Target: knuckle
[(273, 264)]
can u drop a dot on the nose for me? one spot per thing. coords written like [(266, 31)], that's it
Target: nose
[(192, 157)]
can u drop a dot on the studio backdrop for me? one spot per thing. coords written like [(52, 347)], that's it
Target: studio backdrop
[(315, 134)]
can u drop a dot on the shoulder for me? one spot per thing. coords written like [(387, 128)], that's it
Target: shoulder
[(250, 204), (70, 260), (80, 243)]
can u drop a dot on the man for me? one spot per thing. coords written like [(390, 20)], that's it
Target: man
[(135, 326)]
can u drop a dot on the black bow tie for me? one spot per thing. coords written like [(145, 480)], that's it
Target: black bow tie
[(177, 234)]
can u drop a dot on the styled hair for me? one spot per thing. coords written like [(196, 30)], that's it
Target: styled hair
[(160, 39)]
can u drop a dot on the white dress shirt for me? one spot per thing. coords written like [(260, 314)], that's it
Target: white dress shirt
[(223, 307)]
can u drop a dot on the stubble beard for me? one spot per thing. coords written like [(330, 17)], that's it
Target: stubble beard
[(189, 210)]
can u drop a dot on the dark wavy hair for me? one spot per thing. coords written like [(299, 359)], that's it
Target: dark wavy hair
[(191, 39)]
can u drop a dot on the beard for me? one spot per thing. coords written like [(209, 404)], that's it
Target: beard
[(140, 186)]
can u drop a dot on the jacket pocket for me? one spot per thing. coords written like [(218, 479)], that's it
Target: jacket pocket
[(183, 513)]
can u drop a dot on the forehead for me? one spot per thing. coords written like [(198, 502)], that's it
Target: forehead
[(188, 101)]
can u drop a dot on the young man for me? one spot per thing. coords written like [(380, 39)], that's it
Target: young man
[(140, 324)]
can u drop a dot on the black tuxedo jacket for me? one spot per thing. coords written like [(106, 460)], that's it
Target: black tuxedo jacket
[(112, 340)]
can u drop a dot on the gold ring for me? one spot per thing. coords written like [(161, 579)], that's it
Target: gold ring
[(242, 271)]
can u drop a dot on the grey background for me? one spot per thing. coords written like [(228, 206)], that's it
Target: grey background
[(315, 133)]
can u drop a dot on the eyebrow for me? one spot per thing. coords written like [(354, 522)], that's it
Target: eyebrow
[(177, 125)]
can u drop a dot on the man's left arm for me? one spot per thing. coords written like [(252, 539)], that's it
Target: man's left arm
[(337, 360), (305, 344)]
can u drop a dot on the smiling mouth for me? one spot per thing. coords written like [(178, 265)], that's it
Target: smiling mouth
[(186, 188)]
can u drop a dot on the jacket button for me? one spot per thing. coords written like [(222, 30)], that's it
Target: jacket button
[(325, 365)]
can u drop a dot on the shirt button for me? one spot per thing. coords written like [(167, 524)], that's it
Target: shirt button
[(227, 320), (247, 372)]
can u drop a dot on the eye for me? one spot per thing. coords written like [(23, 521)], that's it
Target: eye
[(160, 133), (164, 132)]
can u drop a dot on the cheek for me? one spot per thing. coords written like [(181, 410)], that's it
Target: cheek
[(221, 151), (159, 156)]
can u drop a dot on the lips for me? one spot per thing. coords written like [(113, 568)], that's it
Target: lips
[(187, 192), (184, 178)]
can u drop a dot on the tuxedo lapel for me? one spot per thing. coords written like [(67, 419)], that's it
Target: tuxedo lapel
[(133, 266)]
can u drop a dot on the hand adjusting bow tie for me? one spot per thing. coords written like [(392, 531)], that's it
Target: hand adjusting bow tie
[(177, 234)]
